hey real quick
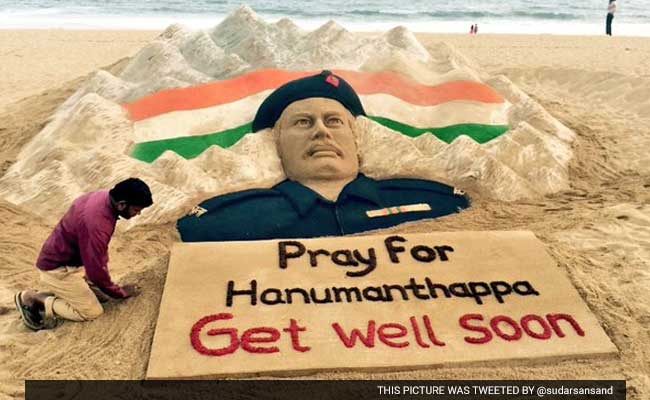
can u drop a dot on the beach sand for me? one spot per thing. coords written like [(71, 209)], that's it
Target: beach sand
[(598, 231)]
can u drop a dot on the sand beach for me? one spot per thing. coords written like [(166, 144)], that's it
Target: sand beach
[(597, 228)]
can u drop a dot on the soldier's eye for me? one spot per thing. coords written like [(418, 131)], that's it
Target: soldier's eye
[(303, 122), (334, 121)]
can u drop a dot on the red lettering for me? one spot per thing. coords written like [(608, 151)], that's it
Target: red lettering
[(494, 324), (430, 332), (385, 336), (554, 318), (516, 331), (525, 324), (248, 337), (195, 336), (418, 336), (294, 330), (464, 322), (349, 342)]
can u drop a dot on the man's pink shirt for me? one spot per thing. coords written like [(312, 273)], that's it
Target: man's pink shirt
[(81, 238)]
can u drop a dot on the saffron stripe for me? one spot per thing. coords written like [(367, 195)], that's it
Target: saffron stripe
[(199, 122), (192, 146), (365, 83)]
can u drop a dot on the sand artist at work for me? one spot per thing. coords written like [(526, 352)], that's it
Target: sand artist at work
[(81, 238), (314, 121)]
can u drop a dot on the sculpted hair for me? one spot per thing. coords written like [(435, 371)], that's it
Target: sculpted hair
[(134, 191)]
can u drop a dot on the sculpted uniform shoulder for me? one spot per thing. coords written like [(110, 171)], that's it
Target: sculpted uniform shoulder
[(395, 201), (442, 198), (245, 215), (291, 210), (239, 199)]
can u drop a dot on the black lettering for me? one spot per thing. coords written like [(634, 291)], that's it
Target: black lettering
[(231, 292), (400, 288), (433, 286), (275, 297), (347, 259), (500, 289), (423, 253), (415, 288), (326, 299), (284, 255), (313, 254), (348, 293), (479, 289), (371, 262), (459, 289), (384, 293), (442, 252), (529, 290), (289, 293), (393, 250), (373, 293)]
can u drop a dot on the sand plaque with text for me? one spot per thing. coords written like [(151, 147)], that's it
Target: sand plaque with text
[(367, 302)]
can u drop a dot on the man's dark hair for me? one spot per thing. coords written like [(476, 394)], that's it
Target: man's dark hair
[(134, 191)]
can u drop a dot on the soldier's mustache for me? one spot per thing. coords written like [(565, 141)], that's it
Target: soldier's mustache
[(323, 146)]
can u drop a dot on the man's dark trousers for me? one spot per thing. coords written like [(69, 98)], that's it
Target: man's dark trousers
[(608, 28)]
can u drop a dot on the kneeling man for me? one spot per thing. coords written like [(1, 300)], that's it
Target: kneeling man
[(81, 238)]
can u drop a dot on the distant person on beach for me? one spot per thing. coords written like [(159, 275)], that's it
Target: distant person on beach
[(471, 30), (81, 238), (475, 29), (611, 9)]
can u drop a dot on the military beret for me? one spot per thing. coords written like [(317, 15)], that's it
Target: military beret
[(325, 84)]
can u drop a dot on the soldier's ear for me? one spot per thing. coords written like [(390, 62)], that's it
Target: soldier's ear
[(355, 126), (275, 133)]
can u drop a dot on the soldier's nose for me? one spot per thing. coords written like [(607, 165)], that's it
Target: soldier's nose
[(320, 130)]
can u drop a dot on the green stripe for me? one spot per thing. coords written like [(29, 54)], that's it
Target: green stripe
[(192, 146), (480, 133)]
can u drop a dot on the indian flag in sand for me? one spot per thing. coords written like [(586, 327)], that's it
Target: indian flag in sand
[(190, 120)]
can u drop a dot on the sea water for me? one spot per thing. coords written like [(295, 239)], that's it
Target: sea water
[(580, 17)]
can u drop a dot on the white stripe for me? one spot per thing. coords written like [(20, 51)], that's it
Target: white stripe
[(231, 115), (199, 122), (446, 114)]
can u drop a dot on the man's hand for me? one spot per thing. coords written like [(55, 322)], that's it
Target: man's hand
[(131, 290), (101, 296)]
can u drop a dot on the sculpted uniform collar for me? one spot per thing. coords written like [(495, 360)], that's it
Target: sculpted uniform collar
[(303, 198)]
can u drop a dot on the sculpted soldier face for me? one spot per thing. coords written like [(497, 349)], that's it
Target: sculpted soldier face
[(316, 141)]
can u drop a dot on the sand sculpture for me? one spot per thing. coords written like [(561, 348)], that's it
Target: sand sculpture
[(597, 231), (313, 120), (367, 302), (89, 141)]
